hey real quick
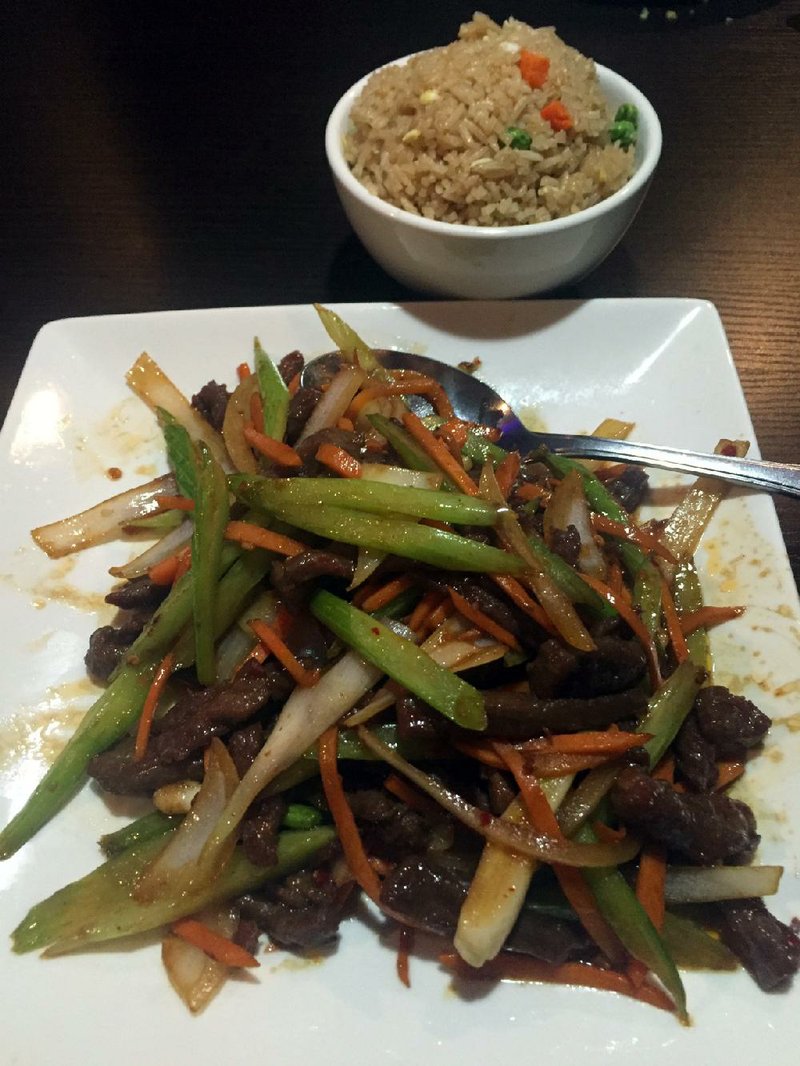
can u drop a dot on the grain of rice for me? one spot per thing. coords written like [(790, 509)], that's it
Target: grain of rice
[(430, 136)]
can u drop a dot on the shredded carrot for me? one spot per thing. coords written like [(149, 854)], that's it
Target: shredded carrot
[(426, 605), (531, 491), (635, 623), (411, 796), (510, 967), (572, 882), (175, 503), (243, 371), (650, 881), (252, 536), (454, 433), (342, 815), (705, 617), (728, 771), (418, 386), (557, 115), (534, 68), (606, 835), (338, 460), (561, 764), (272, 642), (436, 451), (482, 621), (616, 582), (345, 424), (518, 595), (481, 752), (168, 570), (256, 411), (293, 385), (646, 540), (676, 636), (257, 653), (591, 742), (404, 948), (160, 678), (385, 595), (213, 944), (507, 473), (275, 450), (438, 615)]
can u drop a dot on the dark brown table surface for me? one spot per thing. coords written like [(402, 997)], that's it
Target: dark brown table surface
[(158, 156)]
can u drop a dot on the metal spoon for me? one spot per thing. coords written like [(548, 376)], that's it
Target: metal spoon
[(475, 401)]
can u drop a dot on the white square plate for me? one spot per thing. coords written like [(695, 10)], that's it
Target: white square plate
[(664, 364)]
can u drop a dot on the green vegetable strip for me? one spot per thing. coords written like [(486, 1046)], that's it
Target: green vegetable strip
[(619, 906), (148, 827), (692, 948), (210, 518), (180, 453), (232, 592), (401, 660), (347, 340), (101, 906), (274, 394), (668, 708), (374, 497), (404, 444), (108, 719), (425, 544), (647, 596), (688, 596), (568, 580), (301, 816)]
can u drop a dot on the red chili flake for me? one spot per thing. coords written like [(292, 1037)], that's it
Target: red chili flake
[(376, 631), (114, 473), (486, 818), (728, 449)]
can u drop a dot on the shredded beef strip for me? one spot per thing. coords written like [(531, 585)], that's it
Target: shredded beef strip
[(768, 949), (705, 829), (520, 715), (302, 911), (211, 402), (140, 593), (187, 728), (617, 664)]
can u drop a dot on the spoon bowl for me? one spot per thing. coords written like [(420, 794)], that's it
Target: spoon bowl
[(475, 401)]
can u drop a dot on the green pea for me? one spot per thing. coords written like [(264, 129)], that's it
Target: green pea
[(301, 816), (518, 138), (623, 133), (627, 113)]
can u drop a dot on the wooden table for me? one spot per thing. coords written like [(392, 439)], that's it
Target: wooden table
[(164, 156)]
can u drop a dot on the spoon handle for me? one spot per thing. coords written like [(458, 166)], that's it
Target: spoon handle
[(780, 478)]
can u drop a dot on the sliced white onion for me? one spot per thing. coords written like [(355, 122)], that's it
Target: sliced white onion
[(175, 863), (367, 562), (705, 884), (305, 716), (152, 385), (497, 892), (169, 544), (239, 639), (333, 404), (103, 521), (194, 975), (176, 797), (568, 507), (237, 416)]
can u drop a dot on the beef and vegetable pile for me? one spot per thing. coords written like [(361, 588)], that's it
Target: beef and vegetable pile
[(373, 654)]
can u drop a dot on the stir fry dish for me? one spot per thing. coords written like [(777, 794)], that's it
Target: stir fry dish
[(373, 658)]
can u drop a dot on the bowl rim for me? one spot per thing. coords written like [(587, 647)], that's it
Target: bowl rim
[(608, 79)]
